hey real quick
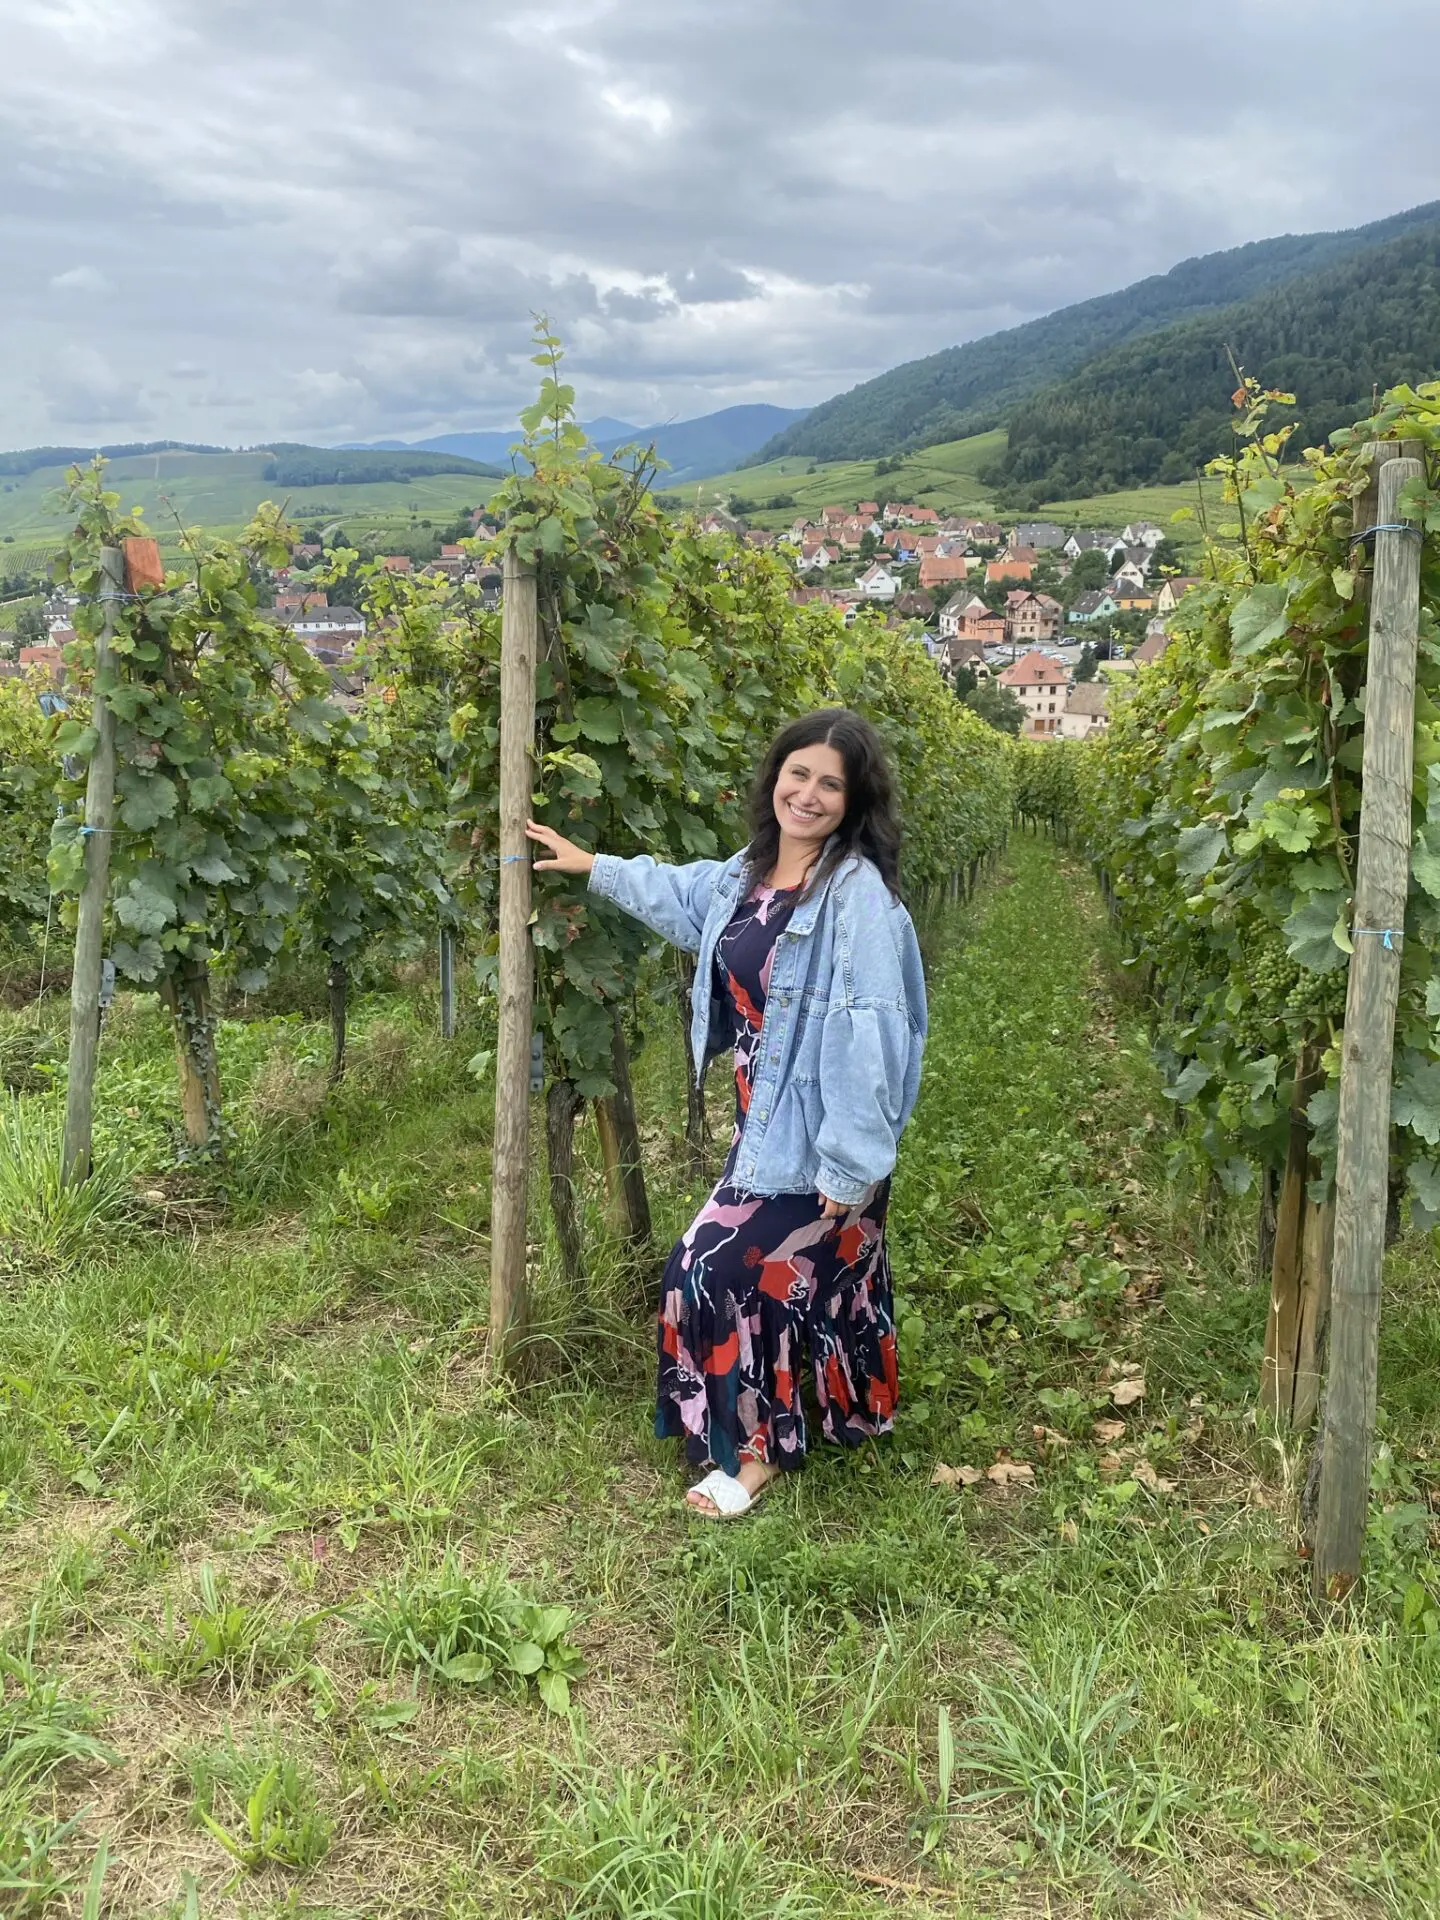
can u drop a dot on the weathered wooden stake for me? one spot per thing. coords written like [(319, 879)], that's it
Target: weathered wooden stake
[(1382, 881), (90, 922), (510, 1179)]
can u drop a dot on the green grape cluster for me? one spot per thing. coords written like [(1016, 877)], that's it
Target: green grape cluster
[(1316, 998), (1265, 976)]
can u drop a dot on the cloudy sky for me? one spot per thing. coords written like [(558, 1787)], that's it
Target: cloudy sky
[(228, 220)]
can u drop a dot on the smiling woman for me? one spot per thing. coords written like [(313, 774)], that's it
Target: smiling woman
[(809, 969)]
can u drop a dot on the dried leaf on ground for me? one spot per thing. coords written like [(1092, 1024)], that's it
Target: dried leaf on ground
[(1126, 1392), (1145, 1473), (944, 1476), (1110, 1465), (1106, 1431), (1047, 1436), (1008, 1473)]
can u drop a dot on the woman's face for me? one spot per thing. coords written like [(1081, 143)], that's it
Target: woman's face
[(809, 795)]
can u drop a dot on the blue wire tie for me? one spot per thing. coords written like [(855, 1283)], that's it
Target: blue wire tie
[(510, 858), (1390, 526), (1388, 934)]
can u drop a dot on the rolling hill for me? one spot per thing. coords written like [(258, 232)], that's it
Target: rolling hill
[(220, 491), (944, 477), (966, 389)]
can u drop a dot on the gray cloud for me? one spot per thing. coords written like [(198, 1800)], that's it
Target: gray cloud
[(82, 389), (712, 283), (343, 233)]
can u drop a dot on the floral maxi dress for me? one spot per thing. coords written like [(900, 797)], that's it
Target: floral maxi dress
[(758, 1278)]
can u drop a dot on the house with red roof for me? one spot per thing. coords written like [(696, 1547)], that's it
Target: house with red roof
[(1039, 683), (938, 570)]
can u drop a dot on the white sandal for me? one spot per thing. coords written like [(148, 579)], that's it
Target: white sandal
[(728, 1495)]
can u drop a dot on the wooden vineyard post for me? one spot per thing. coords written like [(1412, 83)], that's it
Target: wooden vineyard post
[(1362, 1163), (90, 921), (510, 1178)]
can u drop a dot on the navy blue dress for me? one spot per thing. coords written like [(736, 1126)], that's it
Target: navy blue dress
[(757, 1280)]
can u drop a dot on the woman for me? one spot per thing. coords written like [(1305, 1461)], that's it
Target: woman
[(809, 969)]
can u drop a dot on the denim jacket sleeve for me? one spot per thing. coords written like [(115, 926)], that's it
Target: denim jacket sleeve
[(863, 1057), (672, 901), (870, 1050)]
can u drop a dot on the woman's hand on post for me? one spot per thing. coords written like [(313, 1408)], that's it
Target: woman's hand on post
[(565, 856)]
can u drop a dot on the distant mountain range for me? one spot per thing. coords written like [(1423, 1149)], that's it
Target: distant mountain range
[(1116, 355), (287, 463), (714, 443)]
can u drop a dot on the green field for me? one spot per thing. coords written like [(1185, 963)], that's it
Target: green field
[(943, 477), (221, 491), (1159, 504), (1049, 1650), (10, 611)]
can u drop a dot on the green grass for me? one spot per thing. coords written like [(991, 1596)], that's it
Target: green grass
[(257, 1493), (1159, 504), (220, 492), (943, 477)]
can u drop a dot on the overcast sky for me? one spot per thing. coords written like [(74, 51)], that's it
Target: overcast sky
[(228, 220)]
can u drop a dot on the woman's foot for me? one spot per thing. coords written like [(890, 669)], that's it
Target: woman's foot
[(753, 1475)]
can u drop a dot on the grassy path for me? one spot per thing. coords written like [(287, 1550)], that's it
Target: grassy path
[(1047, 1651)]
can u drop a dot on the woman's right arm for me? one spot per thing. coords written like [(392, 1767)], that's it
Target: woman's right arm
[(673, 901)]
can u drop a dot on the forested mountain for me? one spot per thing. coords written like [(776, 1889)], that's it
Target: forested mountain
[(713, 443), (967, 389), (1159, 407)]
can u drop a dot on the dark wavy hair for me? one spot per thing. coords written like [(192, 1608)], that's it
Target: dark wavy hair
[(870, 826)]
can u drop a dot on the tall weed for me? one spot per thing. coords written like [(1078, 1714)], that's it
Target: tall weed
[(626, 1853), (42, 1218)]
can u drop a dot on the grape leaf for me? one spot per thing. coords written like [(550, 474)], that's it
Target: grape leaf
[(1260, 618), (1197, 849)]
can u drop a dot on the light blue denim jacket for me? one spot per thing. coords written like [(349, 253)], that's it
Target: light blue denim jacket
[(845, 1017)]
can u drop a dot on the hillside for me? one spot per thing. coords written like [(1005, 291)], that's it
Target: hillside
[(291, 465), (944, 477), (220, 491), (1158, 408), (968, 388)]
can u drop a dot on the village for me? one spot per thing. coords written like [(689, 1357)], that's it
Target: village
[(1049, 616)]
